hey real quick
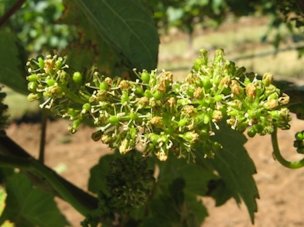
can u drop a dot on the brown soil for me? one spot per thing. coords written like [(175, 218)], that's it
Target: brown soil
[(281, 190)]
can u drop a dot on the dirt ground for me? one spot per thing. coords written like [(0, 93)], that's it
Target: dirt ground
[(281, 191)]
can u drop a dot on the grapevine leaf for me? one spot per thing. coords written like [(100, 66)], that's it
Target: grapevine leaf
[(29, 206), (2, 200), (89, 47), (10, 66), (236, 168), (196, 177), (176, 202), (173, 207), (3, 196), (219, 191), (98, 173), (127, 27)]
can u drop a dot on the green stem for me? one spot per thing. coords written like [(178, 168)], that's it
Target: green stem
[(278, 156), (14, 162), (11, 12), (12, 155), (72, 96), (63, 190)]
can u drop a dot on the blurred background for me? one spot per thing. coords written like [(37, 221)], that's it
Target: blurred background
[(264, 36)]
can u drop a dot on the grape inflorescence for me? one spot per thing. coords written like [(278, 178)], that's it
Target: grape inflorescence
[(157, 115)]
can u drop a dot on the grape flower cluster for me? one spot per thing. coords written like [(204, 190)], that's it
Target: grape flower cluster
[(156, 114)]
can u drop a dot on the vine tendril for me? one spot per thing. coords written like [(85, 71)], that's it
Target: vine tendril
[(278, 156)]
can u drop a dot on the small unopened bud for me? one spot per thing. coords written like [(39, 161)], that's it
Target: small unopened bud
[(267, 79)]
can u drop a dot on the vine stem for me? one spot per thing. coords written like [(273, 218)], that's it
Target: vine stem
[(43, 136), (11, 11), (13, 156), (278, 156)]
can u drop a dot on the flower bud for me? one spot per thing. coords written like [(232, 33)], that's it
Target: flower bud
[(32, 77), (250, 90), (77, 78), (267, 79), (32, 86), (145, 77), (236, 88), (103, 86)]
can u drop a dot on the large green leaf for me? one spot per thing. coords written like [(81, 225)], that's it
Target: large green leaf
[(29, 206), (127, 27), (10, 65), (98, 173), (175, 207), (236, 168), (196, 177), (176, 202)]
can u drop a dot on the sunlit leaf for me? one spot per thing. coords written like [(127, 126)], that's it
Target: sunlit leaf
[(127, 27), (28, 206), (10, 65)]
